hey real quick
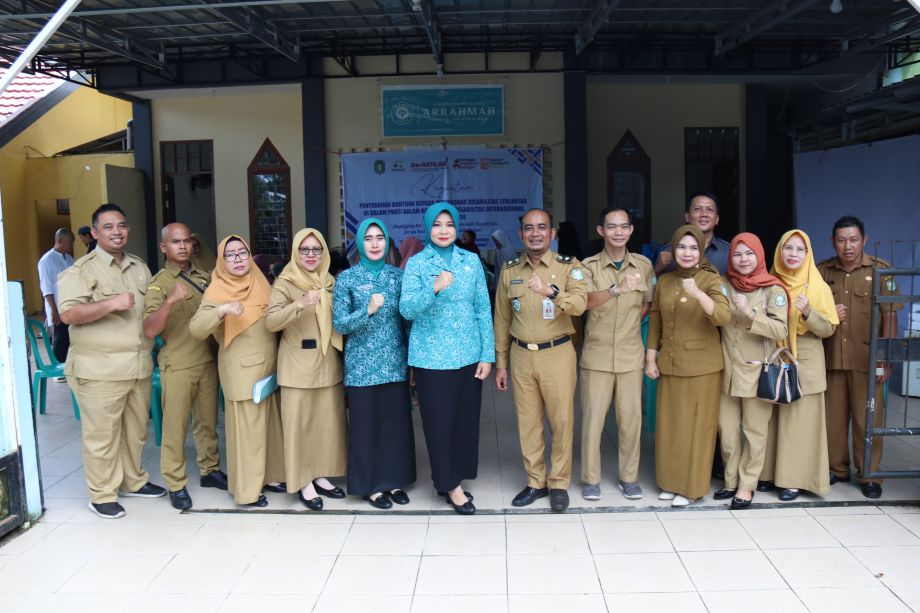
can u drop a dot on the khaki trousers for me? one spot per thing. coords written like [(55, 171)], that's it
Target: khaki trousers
[(845, 400), (744, 429), (113, 421), (190, 392), (598, 388), (544, 383)]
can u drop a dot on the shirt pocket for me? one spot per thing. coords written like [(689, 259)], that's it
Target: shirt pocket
[(253, 359), (862, 290), (105, 292), (695, 345)]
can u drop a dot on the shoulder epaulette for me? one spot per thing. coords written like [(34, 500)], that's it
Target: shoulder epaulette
[(513, 262), (641, 258), (826, 262), (880, 263), (565, 259)]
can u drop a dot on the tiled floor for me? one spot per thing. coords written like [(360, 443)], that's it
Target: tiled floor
[(836, 554)]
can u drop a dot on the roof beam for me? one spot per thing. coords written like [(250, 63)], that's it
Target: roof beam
[(602, 11), (763, 20), (249, 21), (116, 44), (432, 28)]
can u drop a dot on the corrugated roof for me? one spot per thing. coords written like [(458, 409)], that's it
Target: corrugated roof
[(23, 92)]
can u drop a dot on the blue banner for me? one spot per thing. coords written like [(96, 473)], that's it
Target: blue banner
[(491, 189), (451, 110)]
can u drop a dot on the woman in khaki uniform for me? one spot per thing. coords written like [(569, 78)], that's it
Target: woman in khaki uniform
[(232, 310), (801, 443), (759, 309), (309, 371), (682, 348)]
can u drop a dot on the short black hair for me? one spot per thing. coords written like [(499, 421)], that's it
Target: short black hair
[(696, 195), (529, 211), (602, 218), (848, 221), (108, 207), (84, 230)]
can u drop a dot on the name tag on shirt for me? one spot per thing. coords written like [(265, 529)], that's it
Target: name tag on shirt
[(549, 309)]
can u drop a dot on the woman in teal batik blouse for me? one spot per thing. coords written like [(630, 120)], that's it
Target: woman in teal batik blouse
[(365, 308), (451, 349)]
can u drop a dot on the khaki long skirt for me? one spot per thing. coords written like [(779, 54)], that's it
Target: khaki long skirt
[(801, 445), (686, 422), (254, 447), (314, 434)]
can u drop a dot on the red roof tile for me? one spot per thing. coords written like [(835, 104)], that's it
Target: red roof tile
[(24, 91)]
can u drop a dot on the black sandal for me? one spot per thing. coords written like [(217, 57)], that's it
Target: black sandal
[(399, 496)]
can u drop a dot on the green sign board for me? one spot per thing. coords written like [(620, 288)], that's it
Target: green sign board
[(450, 110)]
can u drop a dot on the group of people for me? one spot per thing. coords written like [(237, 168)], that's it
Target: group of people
[(341, 349)]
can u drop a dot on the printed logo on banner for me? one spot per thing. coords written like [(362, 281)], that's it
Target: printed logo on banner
[(427, 165), (398, 166), (464, 163), (380, 167)]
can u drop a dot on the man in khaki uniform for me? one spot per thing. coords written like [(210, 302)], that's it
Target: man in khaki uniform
[(101, 298), (187, 369), (620, 290), (849, 275), (536, 298)]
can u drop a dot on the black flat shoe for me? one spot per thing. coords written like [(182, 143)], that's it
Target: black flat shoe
[(314, 504), (528, 495), (180, 499), (335, 492), (399, 496), (261, 502), (787, 495), (724, 494), (380, 502), (835, 479), (740, 503), (466, 508), (215, 478), (765, 486), (871, 490), (558, 500), (468, 495), (281, 488)]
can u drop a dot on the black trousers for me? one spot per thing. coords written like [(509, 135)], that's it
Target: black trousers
[(450, 403), (381, 440), (60, 342)]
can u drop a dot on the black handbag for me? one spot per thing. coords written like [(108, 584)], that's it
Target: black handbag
[(779, 378)]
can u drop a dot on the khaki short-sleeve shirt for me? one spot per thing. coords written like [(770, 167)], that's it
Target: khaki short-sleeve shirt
[(113, 348), (180, 349), (848, 348), (613, 341)]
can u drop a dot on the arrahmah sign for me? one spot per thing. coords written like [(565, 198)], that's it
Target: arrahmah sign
[(449, 110)]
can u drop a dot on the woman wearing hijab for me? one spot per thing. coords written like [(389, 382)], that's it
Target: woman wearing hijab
[(232, 311), (451, 349), (365, 307), (684, 349), (801, 443), (202, 257), (309, 371), (409, 247), (504, 252), (758, 322)]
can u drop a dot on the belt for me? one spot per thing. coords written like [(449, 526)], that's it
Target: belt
[(538, 346)]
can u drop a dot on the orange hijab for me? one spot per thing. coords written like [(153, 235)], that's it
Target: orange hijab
[(804, 279), (760, 277), (251, 290), (319, 279)]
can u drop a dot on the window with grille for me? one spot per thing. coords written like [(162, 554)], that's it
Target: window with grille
[(270, 203)]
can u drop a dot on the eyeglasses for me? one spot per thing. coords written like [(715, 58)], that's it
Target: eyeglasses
[(236, 255), (310, 250)]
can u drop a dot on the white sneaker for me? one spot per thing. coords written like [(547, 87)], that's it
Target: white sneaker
[(682, 501), (666, 495)]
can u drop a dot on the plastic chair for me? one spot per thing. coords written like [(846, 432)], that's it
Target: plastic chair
[(156, 395), (44, 371), (649, 386)]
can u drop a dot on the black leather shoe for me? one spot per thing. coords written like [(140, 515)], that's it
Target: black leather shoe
[(281, 488), (335, 492), (215, 478), (468, 495), (740, 503), (871, 490), (314, 504), (399, 496), (835, 479), (180, 499), (558, 500), (148, 490), (261, 502), (787, 495), (527, 496), (765, 486), (380, 502), (466, 508), (724, 494)]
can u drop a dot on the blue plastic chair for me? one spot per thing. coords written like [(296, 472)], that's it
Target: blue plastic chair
[(649, 386), (44, 371), (156, 395)]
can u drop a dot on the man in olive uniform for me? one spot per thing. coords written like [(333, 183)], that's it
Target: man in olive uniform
[(536, 298), (849, 275), (620, 290), (101, 298), (187, 369)]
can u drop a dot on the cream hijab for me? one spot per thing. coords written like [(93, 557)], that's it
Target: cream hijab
[(320, 279)]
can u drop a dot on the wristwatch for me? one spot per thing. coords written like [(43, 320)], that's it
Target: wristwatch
[(613, 290), (555, 291)]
